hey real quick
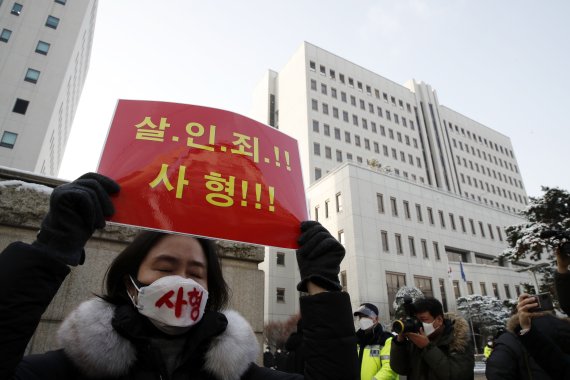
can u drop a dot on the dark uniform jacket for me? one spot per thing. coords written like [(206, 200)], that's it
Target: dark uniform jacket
[(448, 357), (104, 341), (510, 360)]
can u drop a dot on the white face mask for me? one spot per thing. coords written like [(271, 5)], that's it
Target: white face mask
[(365, 323), (428, 328), (172, 303)]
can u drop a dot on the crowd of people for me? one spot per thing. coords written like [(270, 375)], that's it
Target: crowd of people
[(164, 314)]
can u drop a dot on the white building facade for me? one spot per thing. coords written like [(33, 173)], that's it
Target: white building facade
[(411, 187), (45, 48)]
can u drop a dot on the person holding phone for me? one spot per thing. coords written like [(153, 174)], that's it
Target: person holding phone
[(545, 337)]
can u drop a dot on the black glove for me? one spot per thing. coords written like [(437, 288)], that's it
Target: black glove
[(319, 256), (76, 209)]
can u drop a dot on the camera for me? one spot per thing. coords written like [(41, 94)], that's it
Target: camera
[(544, 301), (409, 323), (559, 235)]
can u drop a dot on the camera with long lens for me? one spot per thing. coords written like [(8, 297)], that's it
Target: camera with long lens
[(559, 235), (409, 323)]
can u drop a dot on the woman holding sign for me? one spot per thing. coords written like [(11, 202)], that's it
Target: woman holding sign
[(163, 314)]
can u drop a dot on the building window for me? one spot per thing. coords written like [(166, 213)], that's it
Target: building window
[(280, 295), (42, 47), (470, 287), (318, 173), (280, 259), (424, 284), (412, 245), (419, 212), (499, 233), (338, 155), (21, 106), (436, 250), (8, 139), (343, 281), (407, 210), (441, 219), (338, 199), (384, 236), (52, 22), (425, 249), (462, 222), (316, 149), (394, 281), (327, 202), (517, 290), (456, 289), (341, 237), (5, 35), (443, 294), (472, 224), (399, 249), (16, 9), (483, 288), (394, 206), (481, 229), (380, 202), (507, 291), (430, 216), (452, 221), (491, 232), (495, 289), (315, 126), (328, 152), (317, 213), (32, 76), (314, 105)]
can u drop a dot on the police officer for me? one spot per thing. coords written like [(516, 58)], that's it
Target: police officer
[(373, 345)]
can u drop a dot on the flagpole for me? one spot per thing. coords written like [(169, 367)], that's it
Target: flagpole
[(468, 307)]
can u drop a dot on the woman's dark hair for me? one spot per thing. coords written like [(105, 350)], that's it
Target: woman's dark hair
[(130, 259)]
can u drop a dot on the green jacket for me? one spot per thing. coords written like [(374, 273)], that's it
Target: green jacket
[(376, 362), (448, 357)]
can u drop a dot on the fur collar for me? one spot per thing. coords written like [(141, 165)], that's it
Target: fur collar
[(92, 344), (461, 334)]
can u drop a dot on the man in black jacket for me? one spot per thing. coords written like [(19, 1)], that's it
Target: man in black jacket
[(440, 350)]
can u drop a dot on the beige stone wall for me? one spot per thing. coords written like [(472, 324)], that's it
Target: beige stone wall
[(22, 207)]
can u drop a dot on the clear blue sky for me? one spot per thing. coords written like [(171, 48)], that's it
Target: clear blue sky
[(501, 63)]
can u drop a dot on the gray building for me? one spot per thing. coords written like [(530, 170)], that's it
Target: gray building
[(411, 187), (45, 48)]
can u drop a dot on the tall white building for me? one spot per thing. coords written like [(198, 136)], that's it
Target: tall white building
[(45, 48), (411, 187)]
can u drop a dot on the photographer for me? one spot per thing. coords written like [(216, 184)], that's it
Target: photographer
[(545, 337), (439, 349)]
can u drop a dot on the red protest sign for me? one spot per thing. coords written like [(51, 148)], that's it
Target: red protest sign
[(204, 171)]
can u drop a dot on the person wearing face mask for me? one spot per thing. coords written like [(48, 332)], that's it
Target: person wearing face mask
[(441, 350), (488, 348), (373, 345), (163, 313)]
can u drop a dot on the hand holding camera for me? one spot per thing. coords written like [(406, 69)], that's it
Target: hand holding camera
[(532, 305)]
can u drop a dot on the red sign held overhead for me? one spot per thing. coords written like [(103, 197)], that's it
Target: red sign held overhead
[(204, 171)]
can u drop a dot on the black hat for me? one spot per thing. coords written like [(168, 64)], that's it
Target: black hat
[(367, 310)]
